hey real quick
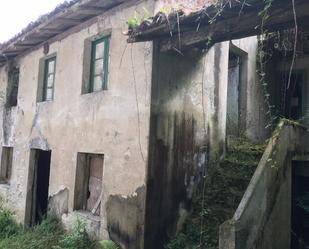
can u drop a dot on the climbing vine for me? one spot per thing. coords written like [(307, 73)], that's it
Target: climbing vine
[(263, 56)]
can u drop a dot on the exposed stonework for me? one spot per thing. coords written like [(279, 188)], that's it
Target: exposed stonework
[(127, 228), (59, 203)]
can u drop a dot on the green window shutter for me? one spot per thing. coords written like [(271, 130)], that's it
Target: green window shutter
[(99, 64), (49, 79)]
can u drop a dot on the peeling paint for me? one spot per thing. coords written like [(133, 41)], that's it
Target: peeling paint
[(125, 218), (58, 203)]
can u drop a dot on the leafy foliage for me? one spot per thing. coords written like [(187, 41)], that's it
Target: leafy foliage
[(138, 19), (77, 239), (48, 235), (42, 236), (108, 244), (8, 227)]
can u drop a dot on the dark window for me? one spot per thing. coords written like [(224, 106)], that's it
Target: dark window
[(6, 164), (99, 64), (88, 185), (12, 90), (49, 79)]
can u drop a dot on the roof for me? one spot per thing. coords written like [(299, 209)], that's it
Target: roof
[(226, 20), (65, 16)]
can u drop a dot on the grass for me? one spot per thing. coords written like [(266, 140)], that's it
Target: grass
[(48, 235), (222, 197), (108, 244)]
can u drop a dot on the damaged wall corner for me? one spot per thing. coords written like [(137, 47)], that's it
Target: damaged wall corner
[(125, 219), (58, 204)]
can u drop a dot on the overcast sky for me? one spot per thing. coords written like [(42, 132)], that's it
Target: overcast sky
[(17, 14)]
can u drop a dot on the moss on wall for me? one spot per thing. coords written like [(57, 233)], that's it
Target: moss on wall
[(222, 196)]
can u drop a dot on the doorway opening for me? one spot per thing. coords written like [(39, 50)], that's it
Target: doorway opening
[(236, 92), (300, 205), (295, 102), (38, 185), (234, 78)]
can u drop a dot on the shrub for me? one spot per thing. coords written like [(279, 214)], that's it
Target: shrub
[(78, 238), (8, 227), (42, 236), (108, 244)]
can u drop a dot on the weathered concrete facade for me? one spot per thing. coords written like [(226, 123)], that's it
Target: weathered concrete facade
[(160, 126), (188, 126), (187, 108), (103, 122)]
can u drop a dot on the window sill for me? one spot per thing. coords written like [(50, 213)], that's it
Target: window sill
[(45, 101), (94, 92)]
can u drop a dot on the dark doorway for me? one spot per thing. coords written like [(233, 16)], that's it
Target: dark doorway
[(38, 184), (294, 100), (300, 205), (233, 100), (236, 92)]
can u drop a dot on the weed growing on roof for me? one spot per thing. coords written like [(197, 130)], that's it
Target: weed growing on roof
[(138, 18)]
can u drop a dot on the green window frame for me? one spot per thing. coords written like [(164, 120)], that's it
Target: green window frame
[(49, 79), (99, 64)]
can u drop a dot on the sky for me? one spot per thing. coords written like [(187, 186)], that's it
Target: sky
[(17, 14)]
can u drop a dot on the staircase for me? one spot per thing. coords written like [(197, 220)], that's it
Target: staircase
[(263, 218), (228, 185), (221, 197)]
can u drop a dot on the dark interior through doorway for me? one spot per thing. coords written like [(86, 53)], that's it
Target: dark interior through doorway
[(233, 99), (236, 92), (37, 199), (294, 101), (300, 205)]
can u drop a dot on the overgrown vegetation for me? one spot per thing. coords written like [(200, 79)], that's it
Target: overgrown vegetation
[(108, 244), (222, 197), (138, 19), (48, 235)]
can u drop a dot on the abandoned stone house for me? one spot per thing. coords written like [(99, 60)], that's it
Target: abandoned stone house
[(119, 135)]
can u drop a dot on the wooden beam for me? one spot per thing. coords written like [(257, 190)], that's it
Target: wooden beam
[(51, 30), (36, 37), (25, 45), (12, 53), (191, 21), (68, 21), (91, 10), (241, 26)]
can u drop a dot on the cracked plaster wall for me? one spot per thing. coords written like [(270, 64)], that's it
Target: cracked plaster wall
[(102, 122)]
